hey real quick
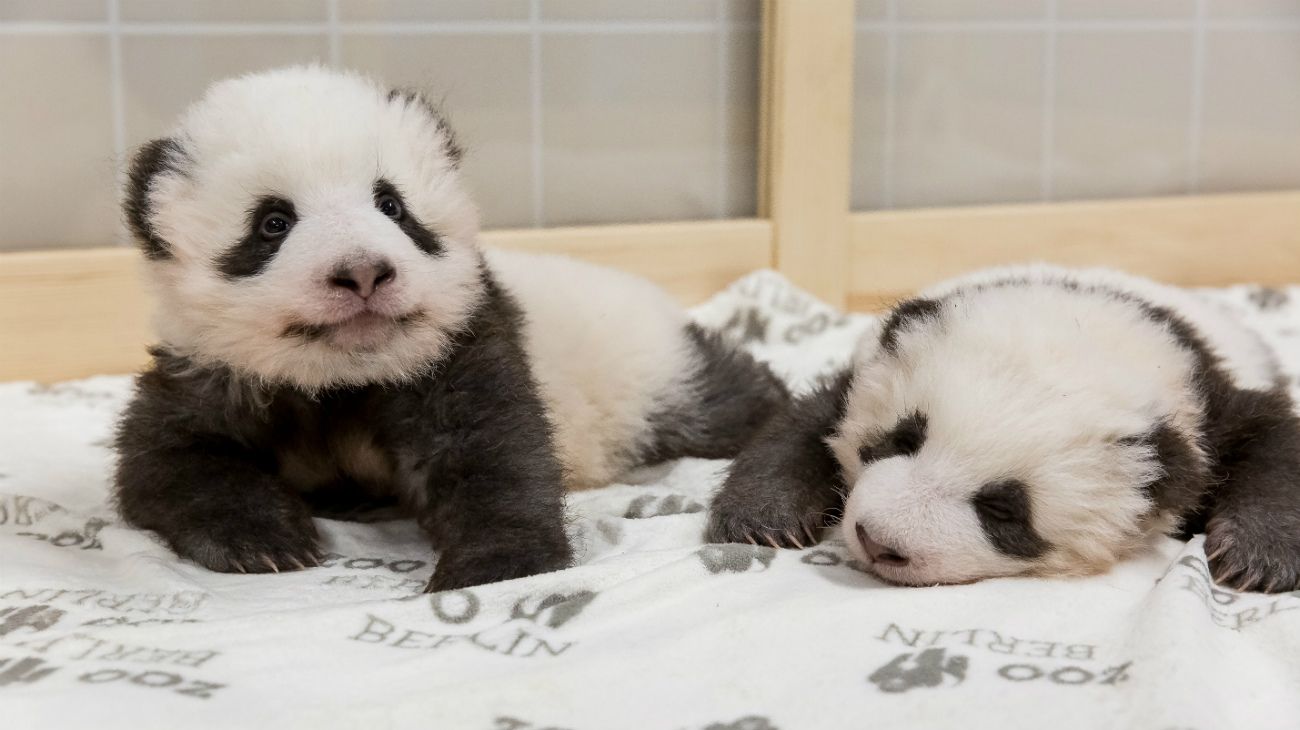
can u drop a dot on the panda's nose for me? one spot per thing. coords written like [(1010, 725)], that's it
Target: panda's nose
[(879, 553), (363, 278)]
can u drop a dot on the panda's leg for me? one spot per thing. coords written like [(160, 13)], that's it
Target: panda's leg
[(785, 483), (731, 396), (1253, 533), (496, 513), (494, 501), (215, 506)]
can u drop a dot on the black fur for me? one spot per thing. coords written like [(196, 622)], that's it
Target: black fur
[(904, 439), (904, 316), (153, 159), (1184, 474), (202, 458), (733, 395), (785, 483), (1251, 514), (411, 97), (424, 239), (1249, 506), (1006, 516), (254, 252)]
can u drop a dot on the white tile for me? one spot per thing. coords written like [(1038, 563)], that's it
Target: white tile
[(968, 118), (870, 96), (223, 10), (56, 148), (630, 127), (1123, 107), (53, 10), (433, 10), (1251, 128)]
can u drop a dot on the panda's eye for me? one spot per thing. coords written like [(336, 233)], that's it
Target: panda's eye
[(904, 439), (1005, 513), (275, 225), (1004, 501), (389, 206)]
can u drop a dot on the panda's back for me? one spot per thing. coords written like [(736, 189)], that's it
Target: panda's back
[(609, 351)]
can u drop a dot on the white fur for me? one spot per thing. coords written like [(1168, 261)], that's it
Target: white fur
[(608, 349), (1029, 382), (320, 139)]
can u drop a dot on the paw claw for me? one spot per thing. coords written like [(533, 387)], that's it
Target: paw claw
[(791, 538), (266, 560), (238, 567)]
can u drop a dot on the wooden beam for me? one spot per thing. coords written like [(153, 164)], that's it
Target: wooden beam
[(1210, 240), (77, 312), (693, 261), (807, 102)]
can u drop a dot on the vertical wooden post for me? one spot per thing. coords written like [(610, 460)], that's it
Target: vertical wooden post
[(805, 129)]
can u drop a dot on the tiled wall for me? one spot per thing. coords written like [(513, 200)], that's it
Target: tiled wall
[(573, 111), (963, 102), (593, 111)]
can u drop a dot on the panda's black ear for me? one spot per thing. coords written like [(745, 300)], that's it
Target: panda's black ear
[(411, 97), (151, 160), (904, 316)]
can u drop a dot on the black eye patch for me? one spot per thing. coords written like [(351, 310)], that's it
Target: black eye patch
[(1006, 516), (389, 200), (904, 439), (267, 225)]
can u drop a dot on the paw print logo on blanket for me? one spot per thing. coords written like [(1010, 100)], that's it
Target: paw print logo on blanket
[(736, 558), (36, 618), (648, 505), (554, 610), (930, 668)]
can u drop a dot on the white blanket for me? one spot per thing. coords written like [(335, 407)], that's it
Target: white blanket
[(102, 627)]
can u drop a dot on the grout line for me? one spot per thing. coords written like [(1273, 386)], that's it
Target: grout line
[(405, 28), (1195, 122), (117, 103), (1252, 25), (1046, 180), (535, 83), (335, 44), (721, 106), (1260, 25), (889, 141)]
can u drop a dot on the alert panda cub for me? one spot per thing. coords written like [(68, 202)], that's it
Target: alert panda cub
[(331, 331), (1036, 421)]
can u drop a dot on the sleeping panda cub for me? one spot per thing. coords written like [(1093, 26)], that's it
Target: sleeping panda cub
[(330, 331), (1036, 421)]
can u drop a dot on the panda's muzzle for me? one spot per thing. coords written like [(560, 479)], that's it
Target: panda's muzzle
[(362, 278)]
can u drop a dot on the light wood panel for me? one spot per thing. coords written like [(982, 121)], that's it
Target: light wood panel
[(807, 101), (73, 313), (692, 260), (1192, 241)]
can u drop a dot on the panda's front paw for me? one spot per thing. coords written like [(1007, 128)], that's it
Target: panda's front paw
[(466, 566), (1252, 557), (276, 540), (780, 520)]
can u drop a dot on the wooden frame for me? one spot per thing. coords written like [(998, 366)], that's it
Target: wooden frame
[(73, 313)]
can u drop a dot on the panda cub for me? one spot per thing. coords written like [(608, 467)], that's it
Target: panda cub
[(331, 332), (1036, 421)]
